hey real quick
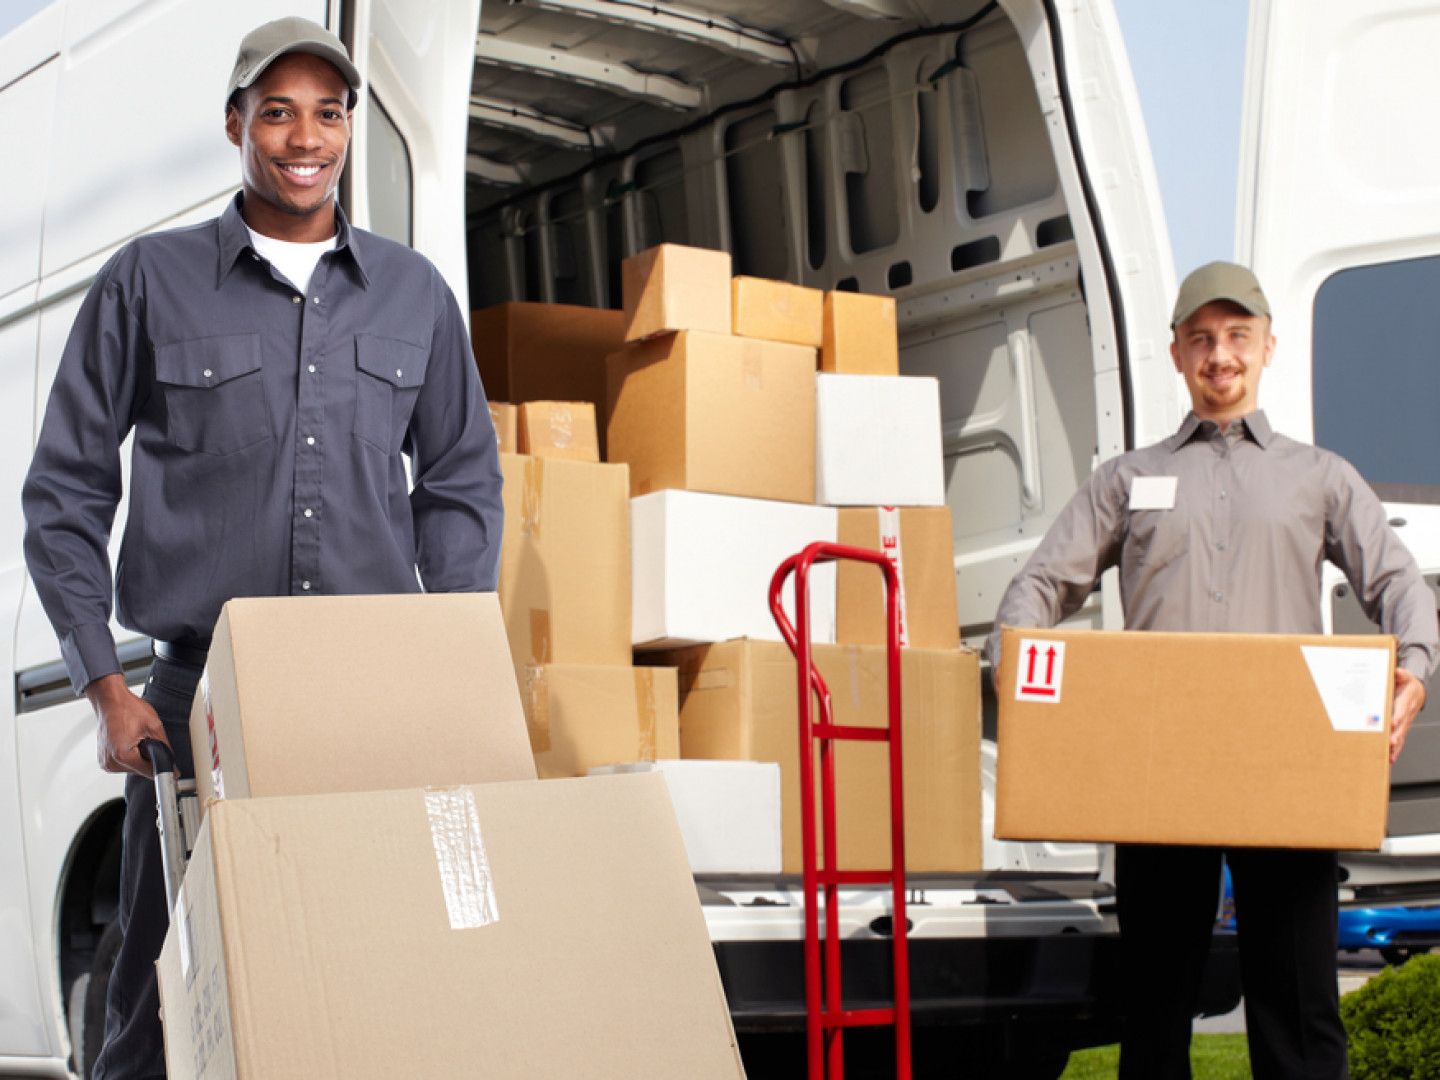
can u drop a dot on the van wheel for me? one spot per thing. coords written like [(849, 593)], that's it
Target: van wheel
[(87, 1003), (1394, 955)]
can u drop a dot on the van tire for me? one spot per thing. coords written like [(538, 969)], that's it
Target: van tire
[(87, 1003)]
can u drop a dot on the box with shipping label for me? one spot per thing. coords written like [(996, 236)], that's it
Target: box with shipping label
[(671, 287), (729, 812), (582, 715), (506, 418), (1268, 740), (738, 700), (565, 561), (315, 694), (859, 334), (917, 541), (777, 311), (508, 930), (702, 566), (878, 441), (559, 429), (706, 412)]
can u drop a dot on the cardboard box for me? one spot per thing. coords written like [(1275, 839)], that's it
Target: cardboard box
[(670, 287), (859, 335), (1225, 739), (777, 311), (565, 562), (309, 695), (707, 412), (506, 418), (581, 716), (738, 701), (878, 441), (504, 930), (729, 812), (559, 429), (919, 544), (702, 566)]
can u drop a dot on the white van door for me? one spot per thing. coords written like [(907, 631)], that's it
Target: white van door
[(1339, 214)]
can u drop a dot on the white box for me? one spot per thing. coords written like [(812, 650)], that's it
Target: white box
[(877, 441), (729, 812), (701, 566)]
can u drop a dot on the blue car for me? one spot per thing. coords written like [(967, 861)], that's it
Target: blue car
[(1398, 932)]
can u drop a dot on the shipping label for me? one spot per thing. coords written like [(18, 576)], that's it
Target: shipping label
[(1040, 671)]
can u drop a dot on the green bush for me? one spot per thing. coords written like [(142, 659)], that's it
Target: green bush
[(1393, 1023)]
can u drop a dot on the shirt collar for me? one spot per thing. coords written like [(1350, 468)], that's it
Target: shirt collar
[(234, 241), (1256, 424)]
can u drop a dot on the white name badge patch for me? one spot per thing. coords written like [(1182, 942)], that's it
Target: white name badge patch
[(1153, 492)]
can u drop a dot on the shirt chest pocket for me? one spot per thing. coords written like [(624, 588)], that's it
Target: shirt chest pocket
[(214, 393), (1155, 538), (388, 377)]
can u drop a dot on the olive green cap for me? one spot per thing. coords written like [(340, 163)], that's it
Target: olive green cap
[(264, 45), (1219, 281)]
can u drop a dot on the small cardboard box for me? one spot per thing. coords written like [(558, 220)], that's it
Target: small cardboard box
[(506, 418), (565, 561), (706, 412), (859, 335), (671, 287), (919, 544), (1268, 740), (581, 716), (738, 702), (702, 566), (878, 441), (307, 695), (505, 930), (777, 311), (729, 812), (559, 429)]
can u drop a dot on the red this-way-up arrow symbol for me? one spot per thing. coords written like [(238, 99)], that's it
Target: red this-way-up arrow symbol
[(1030, 671), (1049, 665)]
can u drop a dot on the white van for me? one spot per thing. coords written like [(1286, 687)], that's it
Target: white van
[(983, 162)]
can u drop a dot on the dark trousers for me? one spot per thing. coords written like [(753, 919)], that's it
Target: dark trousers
[(134, 1047), (1285, 909)]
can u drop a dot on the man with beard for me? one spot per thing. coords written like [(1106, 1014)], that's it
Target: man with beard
[(1238, 548)]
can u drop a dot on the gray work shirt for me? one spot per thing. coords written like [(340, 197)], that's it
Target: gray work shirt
[(1255, 515), (268, 433)]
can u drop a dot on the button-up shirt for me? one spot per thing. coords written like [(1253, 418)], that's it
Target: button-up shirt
[(269, 427), (1238, 548)]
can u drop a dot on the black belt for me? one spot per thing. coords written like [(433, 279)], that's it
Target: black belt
[(191, 653)]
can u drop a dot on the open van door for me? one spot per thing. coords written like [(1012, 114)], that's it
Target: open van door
[(1339, 214)]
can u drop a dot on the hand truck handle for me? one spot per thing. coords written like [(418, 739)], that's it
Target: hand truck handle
[(167, 814)]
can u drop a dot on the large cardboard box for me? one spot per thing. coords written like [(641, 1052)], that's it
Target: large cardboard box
[(565, 561), (507, 930), (671, 287), (738, 701), (1226, 739), (314, 694), (710, 412), (918, 542), (581, 716), (878, 441), (859, 334), (777, 311), (558, 429), (702, 566)]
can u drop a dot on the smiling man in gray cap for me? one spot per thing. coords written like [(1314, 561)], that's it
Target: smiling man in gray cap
[(1232, 539), (273, 366)]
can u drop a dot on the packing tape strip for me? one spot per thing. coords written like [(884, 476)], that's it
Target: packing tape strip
[(217, 775), (646, 714), (891, 546), (537, 708), (562, 427), (532, 497), (460, 857), (540, 635)]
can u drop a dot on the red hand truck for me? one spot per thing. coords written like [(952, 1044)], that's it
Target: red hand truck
[(826, 1016)]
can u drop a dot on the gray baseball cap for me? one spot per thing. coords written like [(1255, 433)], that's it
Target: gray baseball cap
[(266, 44), (1219, 281)]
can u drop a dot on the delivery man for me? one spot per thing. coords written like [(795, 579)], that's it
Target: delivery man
[(272, 364), (1232, 539)]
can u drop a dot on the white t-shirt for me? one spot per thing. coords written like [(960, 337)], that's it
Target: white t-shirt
[(295, 261)]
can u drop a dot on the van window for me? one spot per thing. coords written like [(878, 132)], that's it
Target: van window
[(388, 174), (1377, 374)]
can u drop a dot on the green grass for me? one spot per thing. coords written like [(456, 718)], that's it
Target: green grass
[(1212, 1057)]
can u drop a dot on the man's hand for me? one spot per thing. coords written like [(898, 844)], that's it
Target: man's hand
[(1409, 700), (124, 720)]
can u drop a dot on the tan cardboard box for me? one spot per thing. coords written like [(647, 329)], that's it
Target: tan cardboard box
[(918, 541), (559, 429), (565, 562), (506, 418), (711, 412), (738, 703), (671, 287), (502, 930), (308, 695), (1236, 739), (859, 335), (584, 716), (777, 311)]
